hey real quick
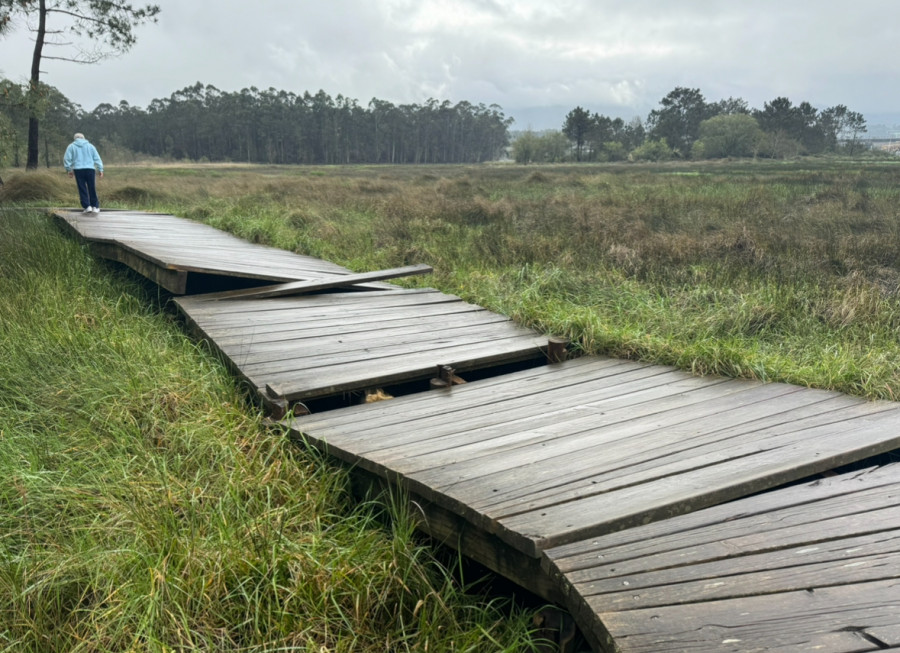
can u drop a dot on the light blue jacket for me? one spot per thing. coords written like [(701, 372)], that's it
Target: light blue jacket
[(81, 154)]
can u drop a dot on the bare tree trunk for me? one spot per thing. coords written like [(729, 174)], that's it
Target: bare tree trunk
[(33, 141)]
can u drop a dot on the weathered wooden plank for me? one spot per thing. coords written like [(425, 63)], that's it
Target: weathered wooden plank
[(352, 367), (416, 366), (223, 253), (725, 540), (271, 315), (667, 452), (670, 584), (557, 431), (339, 354), (494, 401), (262, 340), (319, 306), (299, 287), (803, 620), (561, 425), (312, 335), (356, 318), (853, 560), (669, 496), (170, 243), (578, 433), (201, 304), (492, 470), (517, 424), (781, 517), (490, 391)]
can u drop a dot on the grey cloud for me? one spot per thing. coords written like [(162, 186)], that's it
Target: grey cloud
[(605, 55)]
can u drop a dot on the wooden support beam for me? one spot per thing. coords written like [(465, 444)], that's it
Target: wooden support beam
[(556, 350), (279, 407), (325, 283), (446, 377), (449, 529), (275, 403)]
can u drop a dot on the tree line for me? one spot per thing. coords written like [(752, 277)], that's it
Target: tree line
[(201, 122), (686, 126)]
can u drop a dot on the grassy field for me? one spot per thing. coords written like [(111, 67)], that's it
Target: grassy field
[(146, 507), (779, 271)]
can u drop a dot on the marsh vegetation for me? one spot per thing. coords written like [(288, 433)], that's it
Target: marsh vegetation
[(786, 272), (146, 507)]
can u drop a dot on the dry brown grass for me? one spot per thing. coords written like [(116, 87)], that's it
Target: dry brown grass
[(39, 186)]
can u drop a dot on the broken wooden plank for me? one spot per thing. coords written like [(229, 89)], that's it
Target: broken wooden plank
[(312, 285)]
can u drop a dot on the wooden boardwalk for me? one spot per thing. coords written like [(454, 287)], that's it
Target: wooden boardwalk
[(182, 256), (558, 454), (312, 346), (655, 505), (814, 567)]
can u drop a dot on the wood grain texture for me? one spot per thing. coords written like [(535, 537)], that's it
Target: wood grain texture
[(153, 242), (807, 567), (313, 285), (310, 346), (593, 446)]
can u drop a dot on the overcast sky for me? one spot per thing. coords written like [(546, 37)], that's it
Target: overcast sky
[(537, 59)]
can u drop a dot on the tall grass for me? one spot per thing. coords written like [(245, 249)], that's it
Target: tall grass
[(787, 272), (144, 506)]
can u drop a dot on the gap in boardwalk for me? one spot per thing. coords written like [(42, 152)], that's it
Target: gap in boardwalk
[(202, 283), (346, 399), (880, 460)]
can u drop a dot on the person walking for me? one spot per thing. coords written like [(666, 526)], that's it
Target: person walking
[(83, 162)]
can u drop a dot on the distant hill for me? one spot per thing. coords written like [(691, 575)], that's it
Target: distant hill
[(882, 125)]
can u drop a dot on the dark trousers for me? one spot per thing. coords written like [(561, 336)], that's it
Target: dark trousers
[(86, 180)]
